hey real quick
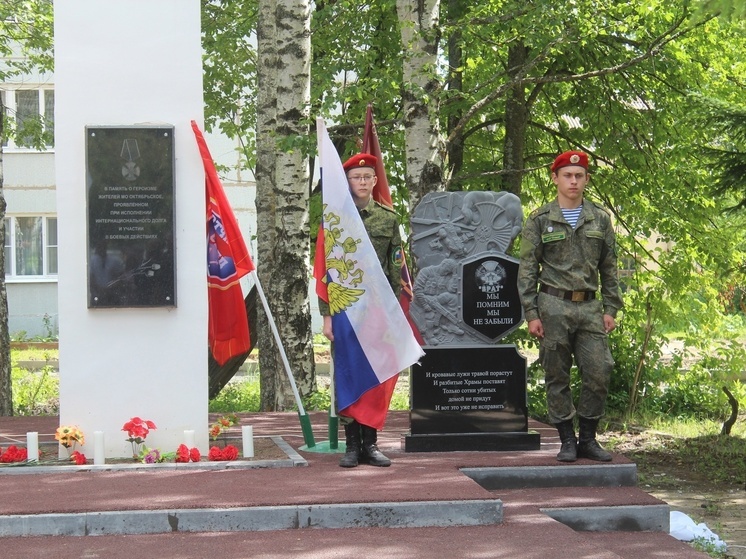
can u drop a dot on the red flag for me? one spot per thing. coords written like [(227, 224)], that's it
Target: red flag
[(319, 265), (382, 194), (381, 191), (228, 260)]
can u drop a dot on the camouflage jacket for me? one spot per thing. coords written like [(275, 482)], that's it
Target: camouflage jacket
[(554, 254), (382, 226)]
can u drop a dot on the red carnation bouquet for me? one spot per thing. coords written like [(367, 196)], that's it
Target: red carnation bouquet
[(13, 454), (217, 454), (184, 454)]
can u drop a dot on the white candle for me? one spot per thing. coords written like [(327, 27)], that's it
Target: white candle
[(247, 435), (189, 438), (99, 449), (32, 446)]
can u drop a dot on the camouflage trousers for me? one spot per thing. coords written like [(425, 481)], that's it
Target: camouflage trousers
[(574, 329)]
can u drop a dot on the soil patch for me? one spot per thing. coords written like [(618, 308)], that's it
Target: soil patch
[(703, 477)]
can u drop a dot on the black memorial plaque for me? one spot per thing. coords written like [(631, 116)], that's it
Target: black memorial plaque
[(490, 303), (470, 398), (130, 181)]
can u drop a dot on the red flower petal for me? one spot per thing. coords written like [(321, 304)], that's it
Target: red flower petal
[(194, 455), (230, 452), (182, 453)]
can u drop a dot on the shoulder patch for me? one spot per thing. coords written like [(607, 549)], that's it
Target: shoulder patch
[(539, 211), (397, 256), (384, 206)]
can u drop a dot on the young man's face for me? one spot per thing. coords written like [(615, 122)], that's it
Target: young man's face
[(361, 181), (570, 181)]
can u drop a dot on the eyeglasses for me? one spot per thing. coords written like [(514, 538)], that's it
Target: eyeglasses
[(361, 178)]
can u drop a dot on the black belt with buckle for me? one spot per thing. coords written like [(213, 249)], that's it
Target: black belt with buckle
[(574, 296)]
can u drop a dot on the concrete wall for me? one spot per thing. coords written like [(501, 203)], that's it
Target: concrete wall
[(133, 62)]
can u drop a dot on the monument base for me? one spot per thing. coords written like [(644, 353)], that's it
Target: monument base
[(479, 442)]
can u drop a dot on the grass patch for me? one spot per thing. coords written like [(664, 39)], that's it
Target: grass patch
[(679, 454), (35, 392)]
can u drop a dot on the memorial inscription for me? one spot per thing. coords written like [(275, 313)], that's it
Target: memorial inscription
[(130, 182), (491, 305), (483, 392), (467, 393)]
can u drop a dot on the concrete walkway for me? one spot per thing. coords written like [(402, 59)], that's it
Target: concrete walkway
[(459, 504)]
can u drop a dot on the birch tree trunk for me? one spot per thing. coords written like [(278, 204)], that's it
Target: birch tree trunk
[(424, 145), (6, 388), (282, 176)]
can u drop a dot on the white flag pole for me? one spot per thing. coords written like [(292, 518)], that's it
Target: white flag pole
[(305, 422)]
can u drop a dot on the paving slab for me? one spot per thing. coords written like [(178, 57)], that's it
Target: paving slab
[(523, 531)]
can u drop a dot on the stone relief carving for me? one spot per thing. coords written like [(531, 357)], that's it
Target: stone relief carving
[(448, 228)]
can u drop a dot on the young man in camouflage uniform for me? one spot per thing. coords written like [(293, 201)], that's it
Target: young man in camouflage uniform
[(382, 227), (567, 246)]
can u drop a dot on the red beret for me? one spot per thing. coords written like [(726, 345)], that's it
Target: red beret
[(570, 158), (360, 160)]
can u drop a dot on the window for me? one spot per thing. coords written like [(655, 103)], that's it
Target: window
[(30, 247), (31, 112)]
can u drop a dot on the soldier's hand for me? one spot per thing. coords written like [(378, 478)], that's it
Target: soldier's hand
[(609, 323), (536, 328), (327, 328)]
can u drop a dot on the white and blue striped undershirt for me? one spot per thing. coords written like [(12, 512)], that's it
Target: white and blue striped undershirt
[(572, 215)]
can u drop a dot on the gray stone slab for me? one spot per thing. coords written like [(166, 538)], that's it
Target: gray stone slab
[(42, 524), (627, 518), (356, 515), (408, 515), (526, 477)]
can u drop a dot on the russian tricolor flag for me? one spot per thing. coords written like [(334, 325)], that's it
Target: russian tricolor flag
[(373, 341)]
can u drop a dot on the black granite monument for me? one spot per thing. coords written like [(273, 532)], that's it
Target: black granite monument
[(130, 182), (468, 392)]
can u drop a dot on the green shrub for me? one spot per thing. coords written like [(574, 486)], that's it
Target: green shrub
[(238, 396), (400, 401), (319, 400), (536, 392), (35, 393)]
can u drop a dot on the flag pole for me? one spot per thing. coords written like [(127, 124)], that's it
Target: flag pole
[(333, 418), (305, 421)]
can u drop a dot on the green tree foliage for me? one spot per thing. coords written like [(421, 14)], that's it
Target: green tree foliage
[(25, 47), (733, 10), (521, 82), (726, 149), (230, 84)]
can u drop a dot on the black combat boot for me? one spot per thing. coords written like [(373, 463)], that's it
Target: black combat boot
[(569, 449), (352, 440), (588, 447), (370, 453)]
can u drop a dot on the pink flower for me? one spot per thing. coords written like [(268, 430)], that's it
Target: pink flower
[(138, 429), (152, 457)]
